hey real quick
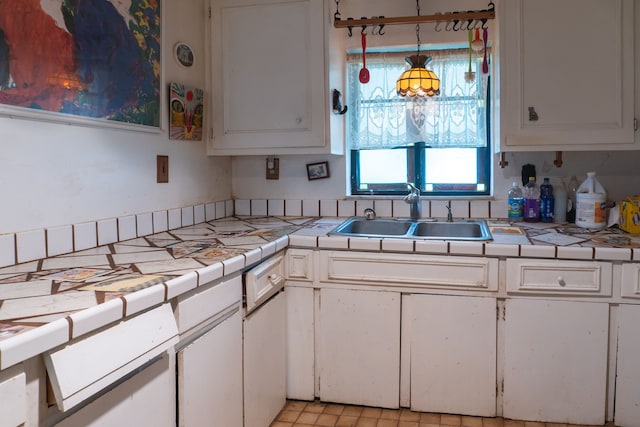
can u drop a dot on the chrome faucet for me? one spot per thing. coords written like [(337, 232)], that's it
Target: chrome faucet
[(413, 198), (369, 213), (449, 216)]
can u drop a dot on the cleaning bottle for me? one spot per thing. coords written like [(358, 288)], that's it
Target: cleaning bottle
[(516, 202), (590, 197), (572, 187), (546, 201), (560, 208), (531, 201)]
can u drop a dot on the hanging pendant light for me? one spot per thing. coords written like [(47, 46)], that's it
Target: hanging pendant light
[(418, 80)]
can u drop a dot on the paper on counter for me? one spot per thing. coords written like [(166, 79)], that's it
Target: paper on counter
[(558, 239)]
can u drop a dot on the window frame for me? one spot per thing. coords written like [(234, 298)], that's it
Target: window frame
[(416, 168)]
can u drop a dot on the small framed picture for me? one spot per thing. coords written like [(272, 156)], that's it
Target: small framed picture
[(184, 54), (317, 170)]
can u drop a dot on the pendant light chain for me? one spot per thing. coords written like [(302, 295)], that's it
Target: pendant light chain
[(418, 81), (418, 25)]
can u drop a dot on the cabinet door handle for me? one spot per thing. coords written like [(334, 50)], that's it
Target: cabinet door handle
[(276, 279), (533, 116), (561, 281)]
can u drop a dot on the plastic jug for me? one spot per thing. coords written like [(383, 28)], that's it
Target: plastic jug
[(589, 199)]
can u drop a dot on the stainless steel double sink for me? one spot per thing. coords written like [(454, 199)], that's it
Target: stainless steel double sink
[(403, 228)]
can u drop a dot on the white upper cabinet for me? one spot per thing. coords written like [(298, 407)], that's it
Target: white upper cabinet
[(567, 75), (270, 78)]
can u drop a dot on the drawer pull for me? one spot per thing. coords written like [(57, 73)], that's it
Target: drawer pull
[(276, 279), (561, 281)]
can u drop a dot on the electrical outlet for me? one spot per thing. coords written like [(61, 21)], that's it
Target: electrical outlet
[(162, 169), (273, 168)]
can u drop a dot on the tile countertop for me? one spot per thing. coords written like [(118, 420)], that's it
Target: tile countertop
[(60, 298)]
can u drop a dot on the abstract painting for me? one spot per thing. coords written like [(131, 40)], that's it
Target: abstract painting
[(95, 59), (185, 112)]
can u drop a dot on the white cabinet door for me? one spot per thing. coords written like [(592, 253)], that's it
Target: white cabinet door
[(453, 354), (627, 406), (300, 343), (148, 398), (265, 359), (210, 377), (359, 347), (13, 398), (567, 73), (555, 361), (269, 92)]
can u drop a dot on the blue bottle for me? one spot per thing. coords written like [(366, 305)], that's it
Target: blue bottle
[(547, 201)]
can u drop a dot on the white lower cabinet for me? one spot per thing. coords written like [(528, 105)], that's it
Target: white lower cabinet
[(359, 347), (300, 343), (147, 398), (265, 367), (452, 343), (627, 407), (13, 397), (555, 360), (210, 377)]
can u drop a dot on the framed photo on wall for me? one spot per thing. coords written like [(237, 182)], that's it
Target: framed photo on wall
[(184, 54), (317, 170), (186, 112)]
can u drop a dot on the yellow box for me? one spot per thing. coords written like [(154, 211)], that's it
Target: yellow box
[(629, 220)]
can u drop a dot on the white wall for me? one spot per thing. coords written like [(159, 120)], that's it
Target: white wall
[(618, 172), (57, 174)]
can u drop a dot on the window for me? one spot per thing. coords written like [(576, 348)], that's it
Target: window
[(440, 144)]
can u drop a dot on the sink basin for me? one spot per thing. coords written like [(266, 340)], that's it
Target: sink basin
[(373, 227), (408, 229), (451, 230)]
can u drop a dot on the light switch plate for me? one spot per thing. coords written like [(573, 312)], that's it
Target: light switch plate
[(163, 169), (273, 168)]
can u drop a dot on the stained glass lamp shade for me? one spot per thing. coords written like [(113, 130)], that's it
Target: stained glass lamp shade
[(418, 80)]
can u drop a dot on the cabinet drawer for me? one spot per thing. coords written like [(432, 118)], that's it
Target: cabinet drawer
[(299, 265), (207, 301), (631, 280), (409, 271), (89, 365), (558, 277), (263, 281)]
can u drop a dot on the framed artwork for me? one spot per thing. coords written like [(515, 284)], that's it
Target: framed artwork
[(183, 54), (186, 108), (91, 62), (317, 170)]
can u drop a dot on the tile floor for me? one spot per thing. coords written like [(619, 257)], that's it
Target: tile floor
[(320, 414)]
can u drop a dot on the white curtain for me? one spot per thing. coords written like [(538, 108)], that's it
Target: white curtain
[(379, 118)]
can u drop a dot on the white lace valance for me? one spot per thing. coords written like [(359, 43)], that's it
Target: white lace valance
[(379, 118)]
